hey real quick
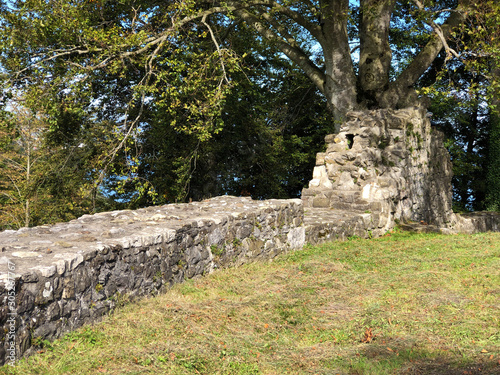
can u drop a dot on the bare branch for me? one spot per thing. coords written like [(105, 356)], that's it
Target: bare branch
[(150, 42), (68, 52), (14, 218), (10, 197), (281, 29), (214, 40), (16, 186), (439, 32), (14, 163)]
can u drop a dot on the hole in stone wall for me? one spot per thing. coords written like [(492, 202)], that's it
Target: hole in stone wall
[(350, 140)]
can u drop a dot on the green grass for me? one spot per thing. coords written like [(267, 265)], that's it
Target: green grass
[(401, 304)]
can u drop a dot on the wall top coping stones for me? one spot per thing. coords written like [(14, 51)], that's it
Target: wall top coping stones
[(52, 248)]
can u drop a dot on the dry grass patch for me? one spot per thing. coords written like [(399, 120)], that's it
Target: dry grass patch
[(402, 304)]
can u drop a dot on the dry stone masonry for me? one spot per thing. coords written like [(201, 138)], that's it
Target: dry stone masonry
[(383, 167), (73, 273), (389, 162), (386, 167)]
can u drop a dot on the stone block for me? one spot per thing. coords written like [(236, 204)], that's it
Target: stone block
[(360, 143), (319, 172), (332, 170), (385, 220), (396, 122), (332, 138), (321, 202), (347, 196), (320, 158), (346, 182), (68, 288), (336, 147)]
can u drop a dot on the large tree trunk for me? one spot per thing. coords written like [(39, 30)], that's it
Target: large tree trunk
[(340, 80), (375, 52), (372, 89), (337, 79)]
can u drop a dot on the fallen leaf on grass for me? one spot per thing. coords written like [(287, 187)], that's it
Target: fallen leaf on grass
[(369, 336)]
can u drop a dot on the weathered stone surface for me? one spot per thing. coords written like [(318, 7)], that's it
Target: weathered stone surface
[(96, 259), (392, 158), (383, 166)]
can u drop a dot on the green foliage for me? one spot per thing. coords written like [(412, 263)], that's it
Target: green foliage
[(274, 123), (103, 69), (216, 250), (41, 182), (483, 60), (150, 103), (466, 125), (493, 177), (463, 96), (41, 343)]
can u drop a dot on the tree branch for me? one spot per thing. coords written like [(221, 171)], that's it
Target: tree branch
[(294, 53), (439, 32), (150, 42), (214, 41), (315, 30), (401, 86), (13, 163)]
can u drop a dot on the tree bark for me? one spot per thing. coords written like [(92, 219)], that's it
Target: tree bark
[(337, 80), (340, 83), (375, 52)]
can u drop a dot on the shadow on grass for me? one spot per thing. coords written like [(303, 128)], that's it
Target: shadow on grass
[(443, 367), (410, 360)]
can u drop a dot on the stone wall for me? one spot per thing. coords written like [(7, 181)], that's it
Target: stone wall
[(66, 275), (388, 163), (384, 167)]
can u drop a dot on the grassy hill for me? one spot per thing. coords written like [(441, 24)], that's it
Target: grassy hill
[(401, 304)]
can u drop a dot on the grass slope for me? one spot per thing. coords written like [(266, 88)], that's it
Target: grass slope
[(401, 304)]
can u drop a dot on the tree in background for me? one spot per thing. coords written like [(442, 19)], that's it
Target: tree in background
[(274, 120), (44, 175), (464, 106), (162, 89), (493, 178), (21, 154), (485, 60), (464, 117), (30, 191)]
